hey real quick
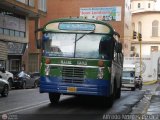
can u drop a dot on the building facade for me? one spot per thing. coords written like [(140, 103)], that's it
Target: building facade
[(14, 30), (118, 14), (145, 20)]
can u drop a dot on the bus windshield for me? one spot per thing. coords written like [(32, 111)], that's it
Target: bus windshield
[(128, 74), (76, 45)]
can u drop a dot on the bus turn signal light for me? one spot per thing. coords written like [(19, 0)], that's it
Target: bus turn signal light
[(48, 61), (101, 63)]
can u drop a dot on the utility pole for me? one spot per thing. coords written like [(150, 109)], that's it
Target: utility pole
[(140, 45)]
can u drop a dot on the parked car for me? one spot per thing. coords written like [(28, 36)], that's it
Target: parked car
[(4, 87), (36, 76), (14, 72), (128, 80), (24, 80), (128, 76), (6, 75)]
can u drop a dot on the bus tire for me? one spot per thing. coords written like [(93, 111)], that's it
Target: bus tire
[(54, 98), (110, 101), (118, 93)]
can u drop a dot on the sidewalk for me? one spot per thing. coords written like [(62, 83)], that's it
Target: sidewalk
[(154, 107)]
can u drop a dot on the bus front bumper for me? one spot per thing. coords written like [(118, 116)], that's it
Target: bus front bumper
[(96, 88)]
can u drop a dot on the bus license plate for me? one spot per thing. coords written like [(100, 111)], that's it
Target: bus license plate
[(71, 89)]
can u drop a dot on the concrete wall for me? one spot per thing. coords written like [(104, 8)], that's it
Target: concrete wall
[(146, 19), (146, 48), (127, 28), (143, 4), (146, 16)]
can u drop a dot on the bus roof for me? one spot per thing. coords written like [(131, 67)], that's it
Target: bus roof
[(78, 20), (129, 65)]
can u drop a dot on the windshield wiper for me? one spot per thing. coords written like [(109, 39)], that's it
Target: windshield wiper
[(79, 39), (83, 36)]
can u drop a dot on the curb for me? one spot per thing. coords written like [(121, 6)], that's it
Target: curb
[(154, 98), (150, 82)]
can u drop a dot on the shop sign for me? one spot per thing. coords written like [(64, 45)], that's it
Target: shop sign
[(16, 48)]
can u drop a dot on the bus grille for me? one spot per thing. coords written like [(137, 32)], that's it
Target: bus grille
[(72, 74), (125, 81)]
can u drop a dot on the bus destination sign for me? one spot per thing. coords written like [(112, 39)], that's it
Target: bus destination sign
[(77, 26)]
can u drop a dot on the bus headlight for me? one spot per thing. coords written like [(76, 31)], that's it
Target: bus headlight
[(100, 72), (132, 81), (47, 70)]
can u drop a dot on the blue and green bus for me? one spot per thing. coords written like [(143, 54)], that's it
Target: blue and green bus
[(80, 57)]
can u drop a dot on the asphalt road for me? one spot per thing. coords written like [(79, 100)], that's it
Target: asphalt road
[(29, 104)]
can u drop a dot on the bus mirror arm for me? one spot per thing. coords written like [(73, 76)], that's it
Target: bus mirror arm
[(117, 34), (38, 30)]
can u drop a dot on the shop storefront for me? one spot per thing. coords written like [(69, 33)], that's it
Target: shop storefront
[(13, 35), (3, 54), (15, 52)]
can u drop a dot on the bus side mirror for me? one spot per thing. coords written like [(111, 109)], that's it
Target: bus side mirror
[(38, 44), (118, 47)]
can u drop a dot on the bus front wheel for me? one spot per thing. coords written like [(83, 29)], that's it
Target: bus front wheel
[(54, 98), (110, 101), (118, 93)]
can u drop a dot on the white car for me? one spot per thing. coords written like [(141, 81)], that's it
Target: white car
[(128, 80), (6, 76), (4, 87)]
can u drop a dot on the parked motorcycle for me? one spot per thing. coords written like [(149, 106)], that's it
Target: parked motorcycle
[(138, 83)]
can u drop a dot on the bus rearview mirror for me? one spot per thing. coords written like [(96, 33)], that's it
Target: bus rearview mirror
[(118, 47)]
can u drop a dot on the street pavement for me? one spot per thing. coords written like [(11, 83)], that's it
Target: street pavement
[(153, 111), (28, 104), (143, 103)]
